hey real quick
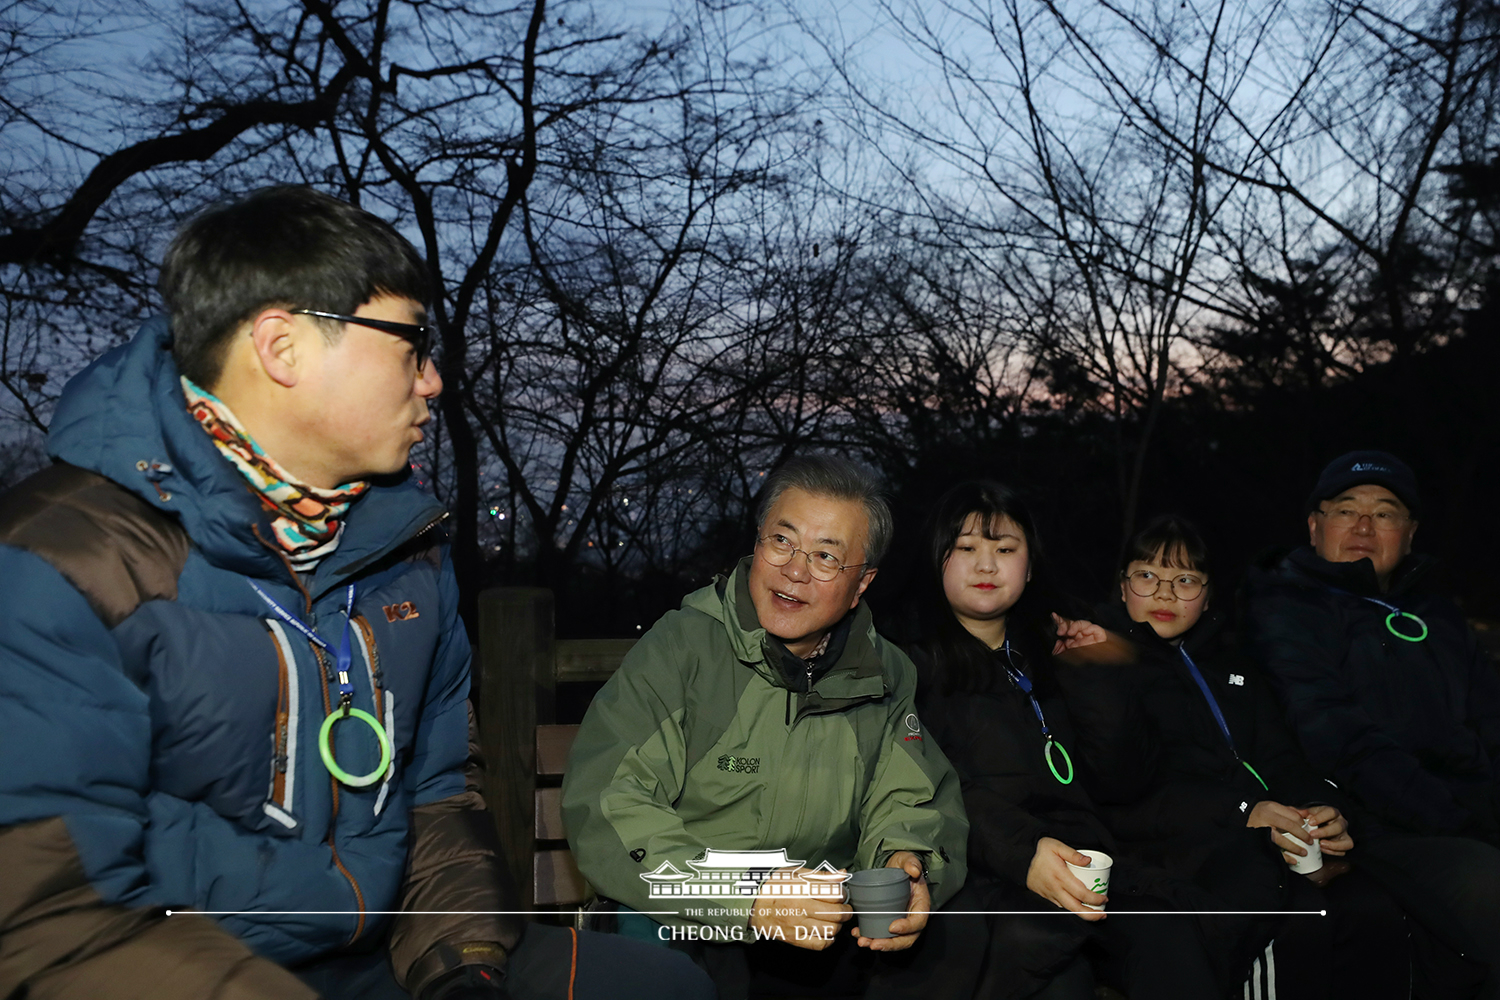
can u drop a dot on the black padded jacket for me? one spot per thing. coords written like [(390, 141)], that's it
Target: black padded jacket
[(1166, 778), (1409, 730)]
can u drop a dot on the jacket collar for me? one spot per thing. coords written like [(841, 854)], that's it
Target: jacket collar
[(856, 673), (1356, 577), (1206, 636), (125, 418)]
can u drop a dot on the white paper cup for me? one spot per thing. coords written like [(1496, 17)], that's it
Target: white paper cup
[(1096, 875), (1313, 860)]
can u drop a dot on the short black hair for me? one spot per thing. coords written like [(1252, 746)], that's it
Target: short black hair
[(286, 246), (1173, 537), (825, 475)]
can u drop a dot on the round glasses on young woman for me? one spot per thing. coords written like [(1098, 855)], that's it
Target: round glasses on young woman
[(778, 550), (1183, 586)]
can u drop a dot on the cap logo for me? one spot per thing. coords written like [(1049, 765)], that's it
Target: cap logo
[(1369, 467)]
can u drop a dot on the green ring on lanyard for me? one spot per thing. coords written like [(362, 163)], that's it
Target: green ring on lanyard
[(1047, 753), (1400, 635), (325, 747)]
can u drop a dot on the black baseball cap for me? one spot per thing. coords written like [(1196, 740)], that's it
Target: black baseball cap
[(1356, 468)]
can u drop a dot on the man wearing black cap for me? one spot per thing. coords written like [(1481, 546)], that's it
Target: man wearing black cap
[(1391, 698)]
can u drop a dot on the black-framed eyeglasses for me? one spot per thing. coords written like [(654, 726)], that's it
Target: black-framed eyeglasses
[(420, 336), (778, 550), (1183, 586)]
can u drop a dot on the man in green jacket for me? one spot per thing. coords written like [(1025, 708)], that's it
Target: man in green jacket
[(767, 715)]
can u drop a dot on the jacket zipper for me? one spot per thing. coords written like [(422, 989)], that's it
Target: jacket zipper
[(288, 717), (359, 897), (385, 701), (278, 782)]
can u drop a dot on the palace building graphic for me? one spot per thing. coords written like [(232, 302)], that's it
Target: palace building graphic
[(746, 873)]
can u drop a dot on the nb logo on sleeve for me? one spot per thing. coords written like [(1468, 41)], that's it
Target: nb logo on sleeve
[(405, 611)]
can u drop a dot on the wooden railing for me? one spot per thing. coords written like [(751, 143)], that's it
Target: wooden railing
[(518, 665)]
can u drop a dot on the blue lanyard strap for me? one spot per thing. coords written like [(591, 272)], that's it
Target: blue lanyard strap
[(1020, 680), (1390, 619), (1023, 682), (1208, 696), (1213, 705), (343, 657)]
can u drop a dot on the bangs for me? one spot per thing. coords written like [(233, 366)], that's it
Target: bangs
[(1169, 541)]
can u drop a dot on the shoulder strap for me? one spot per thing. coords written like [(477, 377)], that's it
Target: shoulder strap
[(114, 547)]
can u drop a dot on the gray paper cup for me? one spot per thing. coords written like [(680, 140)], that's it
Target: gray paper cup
[(878, 895)]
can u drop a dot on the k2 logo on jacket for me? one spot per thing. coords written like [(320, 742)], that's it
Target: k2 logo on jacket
[(741, 765), (405, 611), (914, 727)]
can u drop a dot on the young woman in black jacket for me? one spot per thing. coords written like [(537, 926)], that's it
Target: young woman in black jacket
[(1186, 748), (989, 697)]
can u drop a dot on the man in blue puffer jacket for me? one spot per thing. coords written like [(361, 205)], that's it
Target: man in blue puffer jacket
[(237, 684)]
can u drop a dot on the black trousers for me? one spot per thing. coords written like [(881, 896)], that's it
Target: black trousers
[(1039, 950), (609, 967), (1361, 948), (1450, 887)]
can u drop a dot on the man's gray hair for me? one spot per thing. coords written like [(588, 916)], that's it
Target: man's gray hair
[(834, 476)]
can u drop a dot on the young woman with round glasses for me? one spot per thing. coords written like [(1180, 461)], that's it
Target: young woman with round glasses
[(1194, 770)]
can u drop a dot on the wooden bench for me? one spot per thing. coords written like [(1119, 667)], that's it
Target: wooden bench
[(518, 665), (555, 879)]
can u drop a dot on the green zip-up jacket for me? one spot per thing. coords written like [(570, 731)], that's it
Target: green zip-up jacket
[(698, 742)]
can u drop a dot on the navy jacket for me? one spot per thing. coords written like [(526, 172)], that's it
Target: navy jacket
[(1410, 730), (170, 721)]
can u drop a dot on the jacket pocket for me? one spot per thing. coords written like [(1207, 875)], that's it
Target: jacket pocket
[(280, 796)]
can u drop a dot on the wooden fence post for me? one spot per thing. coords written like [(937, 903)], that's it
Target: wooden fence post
[(518, 691)]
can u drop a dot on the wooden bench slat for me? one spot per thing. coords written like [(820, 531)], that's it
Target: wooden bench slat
[(557, 880), (549, 822), (552, 746), (589, 659)]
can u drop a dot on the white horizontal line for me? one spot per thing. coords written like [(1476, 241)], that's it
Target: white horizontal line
[(679, 913)]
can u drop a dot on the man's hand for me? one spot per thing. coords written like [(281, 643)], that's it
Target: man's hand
[(1331, 829), (818, 919), (1282, 819), (905, 930), (1052, 879), (1076, 633)]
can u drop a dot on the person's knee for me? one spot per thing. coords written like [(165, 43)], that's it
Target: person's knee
[(675, 975), (620, 968)]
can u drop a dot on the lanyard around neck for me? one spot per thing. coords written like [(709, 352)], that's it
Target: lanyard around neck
[(343, 657), (1390, 619), (1213, 706), (1020, 680)]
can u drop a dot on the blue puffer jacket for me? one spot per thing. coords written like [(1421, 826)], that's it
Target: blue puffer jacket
[(179, 745)]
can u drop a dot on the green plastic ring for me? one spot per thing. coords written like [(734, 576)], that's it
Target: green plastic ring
[(1047, 752), (1400, 635), (325, 747)]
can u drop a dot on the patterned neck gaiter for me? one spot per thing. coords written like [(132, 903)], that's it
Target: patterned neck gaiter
[(308, 520)]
